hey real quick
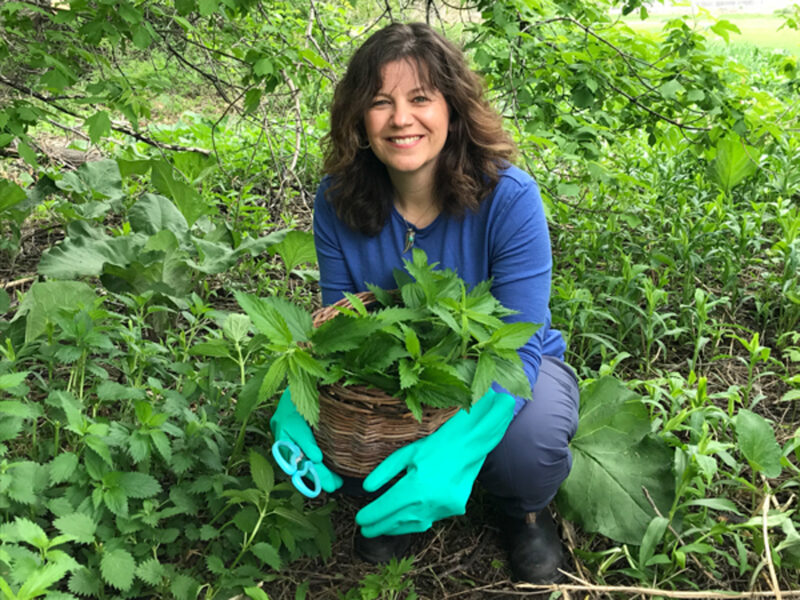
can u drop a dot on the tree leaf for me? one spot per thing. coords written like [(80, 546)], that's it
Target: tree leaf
[(99, 125), (117, 568), (614, 458), (756, 440)]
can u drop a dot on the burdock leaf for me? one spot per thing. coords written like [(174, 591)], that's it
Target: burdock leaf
[(614, 461)]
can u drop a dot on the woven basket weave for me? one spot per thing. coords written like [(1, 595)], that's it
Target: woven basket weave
[(359, 426)]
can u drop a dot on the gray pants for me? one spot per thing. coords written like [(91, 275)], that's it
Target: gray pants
[(526, 468)]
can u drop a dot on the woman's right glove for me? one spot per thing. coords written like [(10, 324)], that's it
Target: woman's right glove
[(287, 424)]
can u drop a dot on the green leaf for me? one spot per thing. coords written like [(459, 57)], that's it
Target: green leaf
[(191, 205), (184, 587), (44, 300), (116, 501), (117, 568), (17, 408), (484, 376), (236, 327), (671, 88), (99, 125), (266, 317), (734, 163), (296, 249), (84, 583), (756, 440), (614, 458), (262, 473), (652, 538), (256, 593), (268, 555), (512, 336), (139, 485), (5, 302), (723, 27), (151, 571), (12, 380), (62, 467), (29, 532), (10, 195), (79, 526), (153, 213)]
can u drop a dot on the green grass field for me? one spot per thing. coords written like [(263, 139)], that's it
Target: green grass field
[(757, 30)]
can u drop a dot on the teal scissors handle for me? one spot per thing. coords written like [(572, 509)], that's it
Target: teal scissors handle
[(298, 467)]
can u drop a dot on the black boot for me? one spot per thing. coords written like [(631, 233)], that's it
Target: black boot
[(381, 549), (535, 550)]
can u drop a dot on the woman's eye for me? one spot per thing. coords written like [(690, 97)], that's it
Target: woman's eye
[(419, 99), (380, 102)]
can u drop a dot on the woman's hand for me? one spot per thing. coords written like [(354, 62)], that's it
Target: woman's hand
[(287, 424), (440, 470)]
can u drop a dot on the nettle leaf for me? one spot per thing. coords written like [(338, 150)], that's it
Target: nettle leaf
[(151, 571), (261, 471), (267, 318), (139, 485), (343, 333), (268, 555), (116, 501), (29, 532), (78, 526), (114, 391), (117, 568), (614, 458), (84, 583), (756, 440), (8, 381), (512, 336), (483, 377), (62, 467)]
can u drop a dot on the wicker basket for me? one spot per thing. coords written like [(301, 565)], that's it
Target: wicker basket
[(359, 426)]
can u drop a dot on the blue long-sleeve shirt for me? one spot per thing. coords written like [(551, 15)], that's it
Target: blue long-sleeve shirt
[(506, 239)]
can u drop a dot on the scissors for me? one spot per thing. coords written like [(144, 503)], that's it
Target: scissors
[(295, 464)]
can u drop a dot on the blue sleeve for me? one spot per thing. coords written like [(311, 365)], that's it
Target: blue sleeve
[(521, 268), (335, 276)]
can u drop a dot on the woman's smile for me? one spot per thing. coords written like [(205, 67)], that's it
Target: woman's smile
[(407, 123)]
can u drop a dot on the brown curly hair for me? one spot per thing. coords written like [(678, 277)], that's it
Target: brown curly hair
[(476, 149)]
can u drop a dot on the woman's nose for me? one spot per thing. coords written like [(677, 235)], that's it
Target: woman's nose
[(401, 115)]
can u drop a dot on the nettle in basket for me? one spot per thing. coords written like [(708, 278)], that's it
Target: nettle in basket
[(430, 342)]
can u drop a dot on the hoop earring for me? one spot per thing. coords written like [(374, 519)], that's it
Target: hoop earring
[(360, 147)]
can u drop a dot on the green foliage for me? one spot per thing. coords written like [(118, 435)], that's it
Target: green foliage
[(430, 342), (390, 583), (619, 468)]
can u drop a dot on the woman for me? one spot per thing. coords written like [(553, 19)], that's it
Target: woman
[(417, 158)]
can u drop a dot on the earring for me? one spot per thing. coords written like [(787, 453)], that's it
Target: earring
[(360, 147)]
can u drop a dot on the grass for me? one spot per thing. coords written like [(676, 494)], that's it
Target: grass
[(756, 30)]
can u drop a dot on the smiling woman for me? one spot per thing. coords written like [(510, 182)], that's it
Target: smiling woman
[(417, 159)]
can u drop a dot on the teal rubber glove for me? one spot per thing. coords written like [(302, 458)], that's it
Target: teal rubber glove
[(287, 424), (440, 470)]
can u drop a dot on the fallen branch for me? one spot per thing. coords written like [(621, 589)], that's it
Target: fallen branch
[(768, 550), (19, 282), (633, 590), (115, 126)]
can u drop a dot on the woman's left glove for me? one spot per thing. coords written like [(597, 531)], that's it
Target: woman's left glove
[(440, 470), (288, 424)]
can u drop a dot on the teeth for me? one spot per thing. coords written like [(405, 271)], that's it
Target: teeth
[(406, 141)]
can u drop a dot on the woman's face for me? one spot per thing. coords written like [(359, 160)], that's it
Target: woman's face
[(406, 123)]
